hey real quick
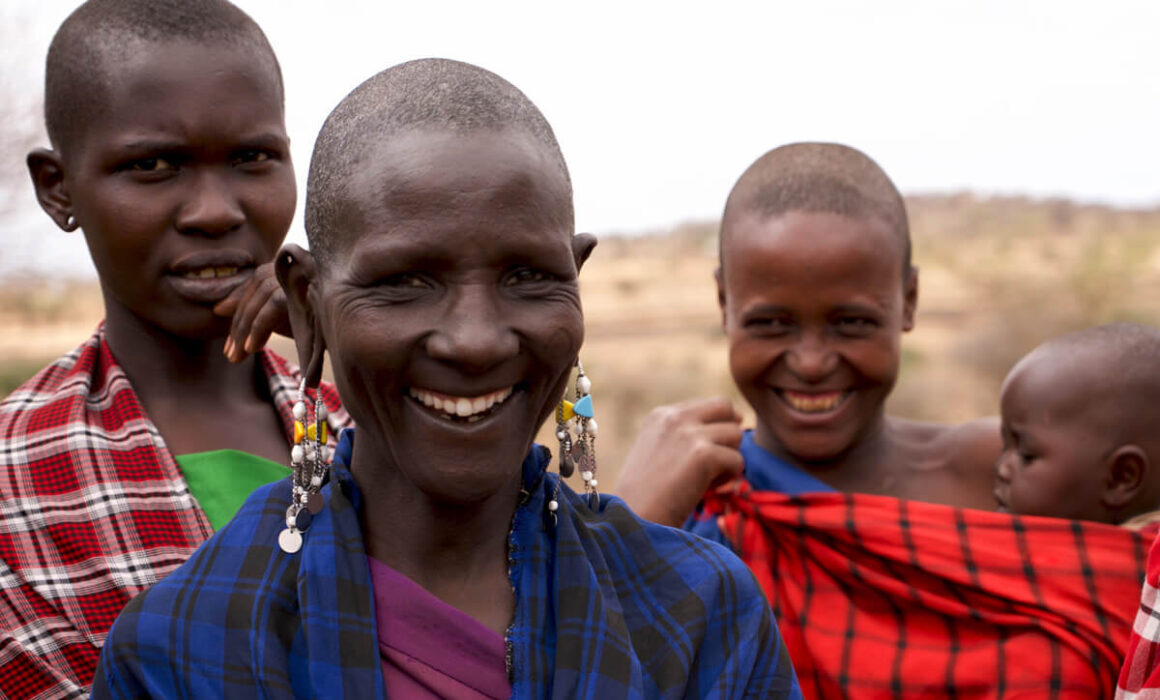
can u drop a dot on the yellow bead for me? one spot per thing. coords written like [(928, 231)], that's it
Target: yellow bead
[(310, 433), (299, 431), (564, 412)]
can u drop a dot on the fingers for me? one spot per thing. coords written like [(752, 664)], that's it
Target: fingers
[(258, 309)]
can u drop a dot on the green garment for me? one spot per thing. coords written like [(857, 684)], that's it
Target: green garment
[(221, 480)]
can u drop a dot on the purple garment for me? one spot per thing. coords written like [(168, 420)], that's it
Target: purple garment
[(430, 649)]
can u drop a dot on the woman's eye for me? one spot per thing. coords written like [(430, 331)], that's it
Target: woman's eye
[(768, 324), (405, 280), (856, 325), (526, 276), (150, 165), (251, 156)]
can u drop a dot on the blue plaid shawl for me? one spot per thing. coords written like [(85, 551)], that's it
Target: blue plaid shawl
[(607, 606)]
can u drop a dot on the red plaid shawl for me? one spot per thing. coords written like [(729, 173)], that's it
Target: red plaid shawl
[(1140, 677), (93, 509), (884, 598)]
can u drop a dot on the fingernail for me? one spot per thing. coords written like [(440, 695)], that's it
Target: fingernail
[(250, 343), (228, 351)]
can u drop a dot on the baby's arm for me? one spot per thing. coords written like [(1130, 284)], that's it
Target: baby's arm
[(682, 450)]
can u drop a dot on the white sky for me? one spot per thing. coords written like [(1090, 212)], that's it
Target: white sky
[(659, 106)]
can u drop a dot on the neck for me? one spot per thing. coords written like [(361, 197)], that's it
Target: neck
[(163, 366), (868, 459), (457, 552)]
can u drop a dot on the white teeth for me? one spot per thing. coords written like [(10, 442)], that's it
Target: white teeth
[(470, 408)]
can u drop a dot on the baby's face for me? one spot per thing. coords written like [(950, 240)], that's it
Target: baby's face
[(1053, 458)]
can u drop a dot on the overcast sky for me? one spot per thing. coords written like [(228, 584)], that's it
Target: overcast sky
[(659, 106)]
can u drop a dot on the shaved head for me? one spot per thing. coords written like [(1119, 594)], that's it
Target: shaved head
[(99, 33), (818, 178), (428, 94)]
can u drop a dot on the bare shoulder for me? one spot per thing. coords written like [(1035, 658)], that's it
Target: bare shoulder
[(959, 458)]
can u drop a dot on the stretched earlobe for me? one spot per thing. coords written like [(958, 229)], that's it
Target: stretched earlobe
[(297, 272), (582, 246), (46, 169), (1127, 475), (909, 299)]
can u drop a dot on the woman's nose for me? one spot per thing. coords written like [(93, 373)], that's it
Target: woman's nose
[(812, 360), (212, 208), (472, 332)]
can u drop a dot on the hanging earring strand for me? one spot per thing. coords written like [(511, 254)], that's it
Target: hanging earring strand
[(579, 450), (309, 458)]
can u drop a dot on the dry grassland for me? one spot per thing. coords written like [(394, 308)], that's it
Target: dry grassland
[(998, 276)]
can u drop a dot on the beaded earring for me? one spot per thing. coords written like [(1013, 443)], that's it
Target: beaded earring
[(309, 458), (578, 450)]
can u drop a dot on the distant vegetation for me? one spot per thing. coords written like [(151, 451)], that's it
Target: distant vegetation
[(998, 276)]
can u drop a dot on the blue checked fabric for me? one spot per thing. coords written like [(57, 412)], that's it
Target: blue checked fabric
[(607, 606)]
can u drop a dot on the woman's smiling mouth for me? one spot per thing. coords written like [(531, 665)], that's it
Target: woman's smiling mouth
[(813, 403), (460, 408)]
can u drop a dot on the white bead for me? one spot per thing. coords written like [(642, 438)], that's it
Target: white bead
[(316, 481), (290, 520), (297, 454), (591, 428), (304, 498), (594, 483), (300, 411), (561, 435), (320, 412), (586, 475), (584, 385), (324, 453), (553, 506)]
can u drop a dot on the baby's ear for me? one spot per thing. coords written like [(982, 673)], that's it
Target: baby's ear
[(298, 274), (1128, 473)]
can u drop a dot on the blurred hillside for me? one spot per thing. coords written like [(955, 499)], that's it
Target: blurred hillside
[(997, 276)]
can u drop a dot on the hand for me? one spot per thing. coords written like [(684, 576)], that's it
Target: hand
[(682, 451), (258, 309)]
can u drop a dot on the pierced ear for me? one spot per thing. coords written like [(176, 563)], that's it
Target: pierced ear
[(719, 276), (47, 171), (297, 272), (909, 299), (582, 246), (1127, 475)]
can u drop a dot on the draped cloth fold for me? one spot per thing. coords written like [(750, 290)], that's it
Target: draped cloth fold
[(878, 597)]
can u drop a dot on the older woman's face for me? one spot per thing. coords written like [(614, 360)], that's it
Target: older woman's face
[(451, 310)]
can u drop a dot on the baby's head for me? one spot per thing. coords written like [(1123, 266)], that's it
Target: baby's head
[(169, 150), (1081, 427), (816, 289)]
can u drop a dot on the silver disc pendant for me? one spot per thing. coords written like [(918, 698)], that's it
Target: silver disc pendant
[(314, 503), (290, 541)]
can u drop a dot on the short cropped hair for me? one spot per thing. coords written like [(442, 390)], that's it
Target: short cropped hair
[(1129, 351), (430, 94), (101, 31), (819, 178)]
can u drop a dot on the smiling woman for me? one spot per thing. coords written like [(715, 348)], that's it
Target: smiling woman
[(447, 562)]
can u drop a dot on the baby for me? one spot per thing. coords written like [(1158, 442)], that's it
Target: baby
[(1081, 427)]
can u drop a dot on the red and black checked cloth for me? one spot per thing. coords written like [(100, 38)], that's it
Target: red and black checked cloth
[(878, 597), (1140, 676), (93, 509)]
